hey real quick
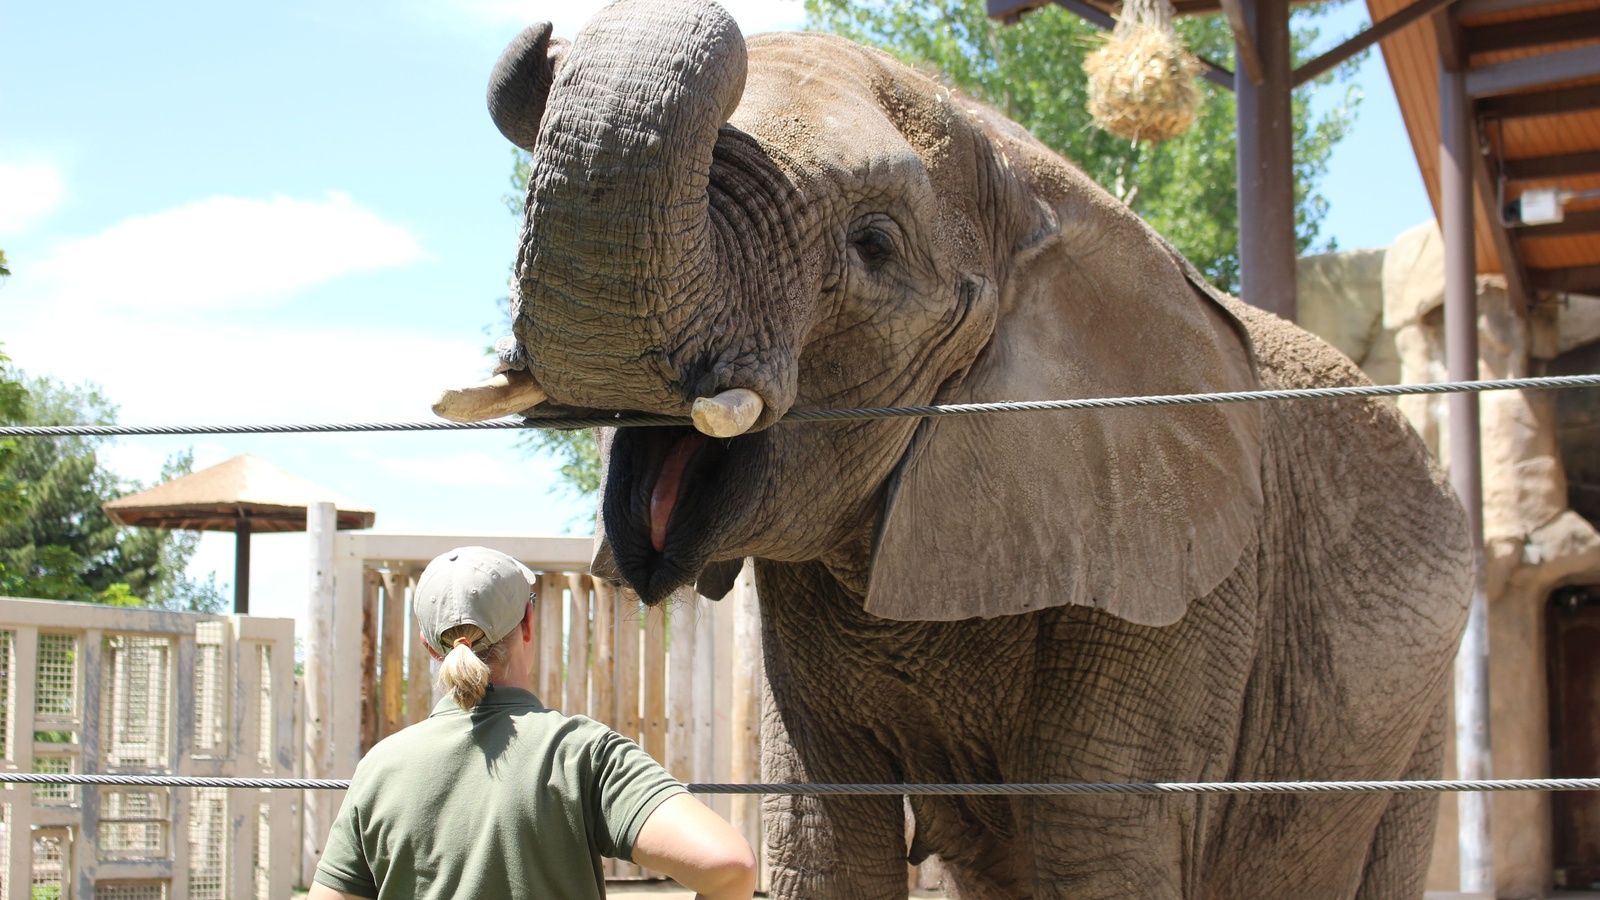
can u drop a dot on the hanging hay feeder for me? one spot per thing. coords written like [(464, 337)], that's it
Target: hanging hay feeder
[(1142, 80)]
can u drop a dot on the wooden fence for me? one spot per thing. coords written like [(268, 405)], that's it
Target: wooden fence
[(682, 680), (109, 690)]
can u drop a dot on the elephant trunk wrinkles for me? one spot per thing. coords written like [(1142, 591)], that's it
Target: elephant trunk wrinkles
[(618, 254)]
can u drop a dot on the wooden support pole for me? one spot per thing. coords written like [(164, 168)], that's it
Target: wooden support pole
[(241, 566), (655, 683), (680, 687), (746, 725), (628, 685), (577, 687), (1267, 247), (1456, 151), (419, 668), (392, 636), (705, 659), (550, 608), (371, 701), (318, 811), (603, 668)]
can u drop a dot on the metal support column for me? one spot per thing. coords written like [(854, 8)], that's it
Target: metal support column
[(1456, 149), (1266, 166), (241, 566)]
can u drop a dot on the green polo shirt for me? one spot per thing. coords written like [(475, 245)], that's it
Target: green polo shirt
[(510, 800)]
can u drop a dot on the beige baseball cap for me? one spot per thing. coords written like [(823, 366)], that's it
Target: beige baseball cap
[(472, 585)]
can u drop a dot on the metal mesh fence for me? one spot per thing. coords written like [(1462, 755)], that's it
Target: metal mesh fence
[(130, 890), (210, 695), (56, 688), (7, 691), (264, 706), (133, 823), (261, 858), (54, 794), (136, 699), (51, 863), (208, 857)]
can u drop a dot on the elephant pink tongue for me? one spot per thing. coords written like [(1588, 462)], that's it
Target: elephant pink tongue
[(665, 495)]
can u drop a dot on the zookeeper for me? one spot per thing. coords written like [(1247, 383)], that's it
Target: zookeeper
[(495, 796)]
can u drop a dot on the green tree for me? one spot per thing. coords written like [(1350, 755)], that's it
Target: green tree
[(1033, 73), (55, 541), (1186, 188)]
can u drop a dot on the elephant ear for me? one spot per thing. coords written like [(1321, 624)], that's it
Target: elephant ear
[(520, 83), (1134, 511)]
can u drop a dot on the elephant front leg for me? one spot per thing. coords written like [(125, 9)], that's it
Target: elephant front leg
[(834, 847)]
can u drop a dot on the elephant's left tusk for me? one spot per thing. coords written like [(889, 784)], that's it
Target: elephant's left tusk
[(504, 394), (728, 414)]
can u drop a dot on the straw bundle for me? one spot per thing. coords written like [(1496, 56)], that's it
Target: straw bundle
[(1141, 81)]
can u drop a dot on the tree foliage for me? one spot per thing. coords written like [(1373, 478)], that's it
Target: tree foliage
[(1033, 73), (55, 541), (1186, 188)]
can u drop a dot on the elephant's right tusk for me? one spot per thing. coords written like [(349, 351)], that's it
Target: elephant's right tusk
[(504, 394), (728, 414)]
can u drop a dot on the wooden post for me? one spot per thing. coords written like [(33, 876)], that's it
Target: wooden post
[(392, 631), (746, 723), (371, 702), (577, 692), (318, 812), (705, 649), (1457, 147), (241, 566), (1267, 247), (680, 687), (628, 637), (602, 697), (549, 607), (722, 705), (655, 683), (419, 674)]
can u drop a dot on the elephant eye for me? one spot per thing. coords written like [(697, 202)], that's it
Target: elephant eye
[(873, 245)]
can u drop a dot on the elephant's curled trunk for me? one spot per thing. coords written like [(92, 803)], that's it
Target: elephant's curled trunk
[(617, 247)]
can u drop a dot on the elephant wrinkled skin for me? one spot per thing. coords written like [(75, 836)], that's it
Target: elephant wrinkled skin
[(1242, 591)]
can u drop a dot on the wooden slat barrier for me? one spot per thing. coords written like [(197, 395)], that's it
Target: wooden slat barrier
[(682, 680)]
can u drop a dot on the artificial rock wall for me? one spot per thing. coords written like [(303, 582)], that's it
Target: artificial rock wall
[(1384, 308)]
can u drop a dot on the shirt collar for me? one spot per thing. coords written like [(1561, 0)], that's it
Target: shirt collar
[(497, 697)]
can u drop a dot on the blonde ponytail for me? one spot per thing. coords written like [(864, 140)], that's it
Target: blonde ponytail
[(463, 674)]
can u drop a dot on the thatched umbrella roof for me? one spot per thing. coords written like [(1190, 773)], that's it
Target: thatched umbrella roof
[(242, 495), (242, 489)]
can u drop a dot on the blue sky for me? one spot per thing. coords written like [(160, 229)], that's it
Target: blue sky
[(292, 212)]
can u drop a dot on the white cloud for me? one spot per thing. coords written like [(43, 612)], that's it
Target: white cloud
[(753, 16), (28, 192), (219, 252)]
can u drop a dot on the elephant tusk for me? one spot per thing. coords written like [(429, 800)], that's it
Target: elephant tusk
[(728, 414), (504, 394)]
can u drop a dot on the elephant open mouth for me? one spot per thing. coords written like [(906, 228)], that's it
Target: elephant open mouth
[(671, 496)]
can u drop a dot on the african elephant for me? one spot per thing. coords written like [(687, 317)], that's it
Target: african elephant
[(734, 230)]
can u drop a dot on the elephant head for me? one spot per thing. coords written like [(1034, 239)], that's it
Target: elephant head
[(736, 231)]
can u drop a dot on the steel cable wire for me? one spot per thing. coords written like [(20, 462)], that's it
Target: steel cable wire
[(1548, 382), (897, 789)]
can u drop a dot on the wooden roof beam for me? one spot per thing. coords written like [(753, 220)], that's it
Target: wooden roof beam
[(1544, 168), (1372, 34), (1471, 8), (1574, 280), (1245, 53), (1544, 103), (1517, 75), (1578, 26)]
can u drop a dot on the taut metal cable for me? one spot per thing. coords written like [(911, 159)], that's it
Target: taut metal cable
[(824, 415), (895, 789)]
